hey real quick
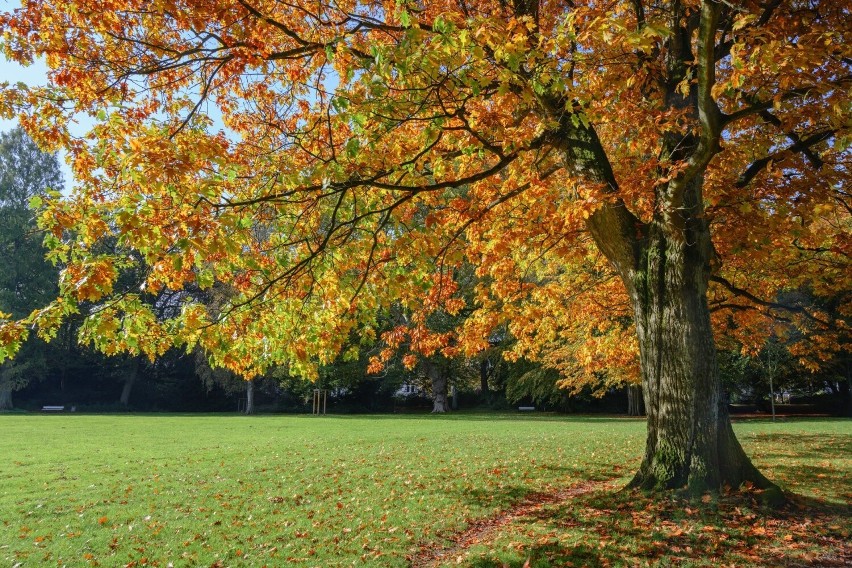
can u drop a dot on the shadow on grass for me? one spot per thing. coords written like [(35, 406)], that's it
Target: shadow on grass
[(801, 506), (825, 479), (808, 446), (504, 495), (605, 472), (626, 528), (545, 556)]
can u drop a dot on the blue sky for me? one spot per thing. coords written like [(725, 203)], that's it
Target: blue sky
[(35, 74), (14, 73)]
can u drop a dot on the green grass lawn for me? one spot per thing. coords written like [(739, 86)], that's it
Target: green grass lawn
[(81, 490)]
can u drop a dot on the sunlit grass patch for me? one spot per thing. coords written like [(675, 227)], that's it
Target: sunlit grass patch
[(111, 490), (810, 457), (377, 490)]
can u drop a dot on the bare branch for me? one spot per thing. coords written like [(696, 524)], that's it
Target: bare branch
[(765, 303), (801, 146)]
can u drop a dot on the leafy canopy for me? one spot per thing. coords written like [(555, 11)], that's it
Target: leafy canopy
[(321, 160)]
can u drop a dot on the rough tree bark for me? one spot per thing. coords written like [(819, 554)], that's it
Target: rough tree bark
[(690, 440), (665, 264)]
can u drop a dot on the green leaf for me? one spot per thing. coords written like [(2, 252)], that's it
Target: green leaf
[(353, 146), (440, 26), (340, 103), (743, 21), (205, 278), (36, 202)]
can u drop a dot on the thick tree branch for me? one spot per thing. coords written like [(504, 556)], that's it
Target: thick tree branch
[(639, 12), (615, 229), (765, 303), (801, 146), (812, 156), (709, 114), (758, 106)]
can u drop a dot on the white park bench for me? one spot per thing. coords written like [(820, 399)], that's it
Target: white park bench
[(52, 408)]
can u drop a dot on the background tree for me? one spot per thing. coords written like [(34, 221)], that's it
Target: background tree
[(385, 145), (801, 370), (351, 388), (27, 280)]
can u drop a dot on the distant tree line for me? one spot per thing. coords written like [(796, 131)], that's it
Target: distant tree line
[(66, 372)]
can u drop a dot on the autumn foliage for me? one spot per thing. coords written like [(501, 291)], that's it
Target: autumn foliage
[(317, 162)]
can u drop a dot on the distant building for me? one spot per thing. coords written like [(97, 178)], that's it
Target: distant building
[(406, 390)]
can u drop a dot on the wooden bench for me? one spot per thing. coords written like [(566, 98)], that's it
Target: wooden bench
[(52, 408), (526, 408)]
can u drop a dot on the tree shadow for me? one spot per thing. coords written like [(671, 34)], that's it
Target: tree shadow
[(808, 446), (607, 471), (545, 556), (630, 527), (831, 479)]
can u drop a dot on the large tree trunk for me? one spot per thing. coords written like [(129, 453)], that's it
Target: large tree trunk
[(666, 270), (439, 387), (690, 440), (665, 264)]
